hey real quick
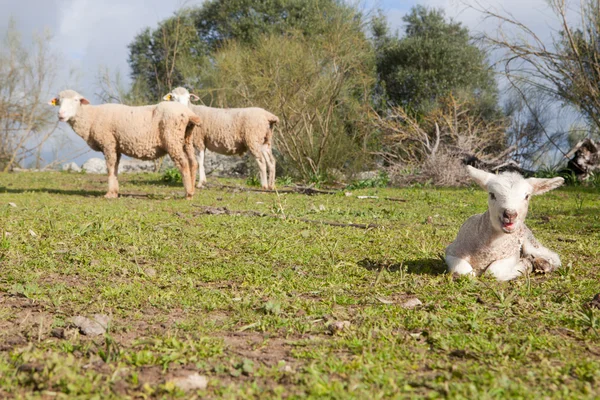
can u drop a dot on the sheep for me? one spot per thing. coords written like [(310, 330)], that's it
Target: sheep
[(145, 132), (498, 241), (232, 131)]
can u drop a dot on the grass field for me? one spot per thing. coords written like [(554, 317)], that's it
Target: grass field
[(247, 301)]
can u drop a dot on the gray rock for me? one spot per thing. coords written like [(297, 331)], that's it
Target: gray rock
[(94, 166), (411, 303), (95, 326), (220, 165), (191, 382), (71, 167), (135, 166), (338, 326), (361, 176)]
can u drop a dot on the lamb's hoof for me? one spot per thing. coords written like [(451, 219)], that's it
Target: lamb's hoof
[(542, 266), (189, 196), (111, 195)]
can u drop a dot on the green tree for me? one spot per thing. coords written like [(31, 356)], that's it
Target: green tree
[(170, 55), (433, 59)]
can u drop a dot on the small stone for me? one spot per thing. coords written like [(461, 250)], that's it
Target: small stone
[(92, 327), (12, 204), (321, 207), (338, 326), (595, 303), (347, 194), (32, 233), (58, 333), (70, 167), (411, 303), (151, 272), (193, 381)]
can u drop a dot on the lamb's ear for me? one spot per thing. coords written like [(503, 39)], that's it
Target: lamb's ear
[(167, 97), (193, 97), (544, 185), (480, 177), (84, 101), (53, 102)]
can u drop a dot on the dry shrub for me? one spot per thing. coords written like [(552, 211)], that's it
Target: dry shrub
[(431, 148)]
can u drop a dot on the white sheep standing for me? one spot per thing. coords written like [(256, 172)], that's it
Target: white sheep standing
[(498, 241), (145, 132), (232, 131)]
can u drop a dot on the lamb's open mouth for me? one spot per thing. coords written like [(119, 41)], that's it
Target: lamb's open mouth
[(508, 225)]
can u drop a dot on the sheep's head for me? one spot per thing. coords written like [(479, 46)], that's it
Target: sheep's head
[(68, 102), (181, 95), (509, 195)]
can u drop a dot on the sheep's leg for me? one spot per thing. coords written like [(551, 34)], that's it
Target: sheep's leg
[(262, 166), (191, 156), (508, 268), (459, 266), (268, 156), (543, 259), (112, 167), (181, 162), (201, 171)]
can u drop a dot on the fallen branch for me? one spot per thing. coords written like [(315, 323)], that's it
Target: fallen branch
[(225, 211), (298, 189)]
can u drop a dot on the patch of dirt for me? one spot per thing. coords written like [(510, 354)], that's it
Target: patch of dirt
[(262, 348)]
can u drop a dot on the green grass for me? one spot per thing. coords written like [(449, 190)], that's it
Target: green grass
[(247, 300)]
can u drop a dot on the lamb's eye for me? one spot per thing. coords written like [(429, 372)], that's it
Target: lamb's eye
[(492, 196), (527, 196)]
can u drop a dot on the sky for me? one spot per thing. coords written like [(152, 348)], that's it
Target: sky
[(94, 34)]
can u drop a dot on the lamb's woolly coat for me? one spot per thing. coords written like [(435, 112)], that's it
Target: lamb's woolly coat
[(498, 241), (145, 132)]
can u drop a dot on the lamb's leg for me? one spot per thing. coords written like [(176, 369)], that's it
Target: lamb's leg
[(508, 268), (181, 162), (543, 259), (112, 167), (268, 156), (201, 172), (459, 266)]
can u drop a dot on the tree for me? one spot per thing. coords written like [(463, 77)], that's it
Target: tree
[(433, 59), (170, 55), (26, 73), (566, 68), (318, 85)]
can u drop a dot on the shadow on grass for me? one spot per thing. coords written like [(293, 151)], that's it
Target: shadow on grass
[(423, 266), (84, 193)]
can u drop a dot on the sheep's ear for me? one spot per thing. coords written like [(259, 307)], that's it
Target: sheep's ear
[(84, 101), (53, 102), (544, 185), (481, 177), (167, 97), (193, 97)]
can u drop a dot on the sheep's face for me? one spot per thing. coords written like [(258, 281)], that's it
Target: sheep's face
[(68, 102), (508, 196), (181, 95)]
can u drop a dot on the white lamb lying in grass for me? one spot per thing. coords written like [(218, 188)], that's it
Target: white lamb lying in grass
[(497, 241)]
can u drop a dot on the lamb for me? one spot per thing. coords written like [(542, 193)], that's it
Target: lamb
[(498, 241), (232, 131), (146, 132)]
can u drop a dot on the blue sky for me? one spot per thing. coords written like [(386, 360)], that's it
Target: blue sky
[(91, 34)]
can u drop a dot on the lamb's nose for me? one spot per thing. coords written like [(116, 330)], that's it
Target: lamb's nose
[(510, 214)]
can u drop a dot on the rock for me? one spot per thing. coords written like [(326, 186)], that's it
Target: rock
[(595, 303), (70, 167), (92, 327), (338, 326), (58, 333), (94, 166), (98, 166), (362, 176), (411, 303), (190, 382), (150, 272), (220, 165), (135, 166), (12, 204)]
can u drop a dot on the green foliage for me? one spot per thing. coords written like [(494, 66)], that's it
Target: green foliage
[(433, 59), (253, 181), (167, 56), (171, 175), (382, 180)]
